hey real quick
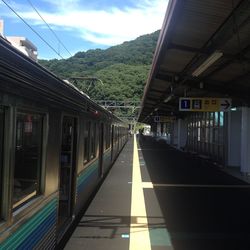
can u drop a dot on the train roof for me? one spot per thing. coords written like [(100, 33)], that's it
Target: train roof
[(24, 72)]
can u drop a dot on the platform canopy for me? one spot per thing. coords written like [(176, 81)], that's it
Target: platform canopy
[(202, 51)]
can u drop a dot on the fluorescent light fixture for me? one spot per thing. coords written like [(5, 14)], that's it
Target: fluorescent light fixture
[(210, 60), (167, 99)]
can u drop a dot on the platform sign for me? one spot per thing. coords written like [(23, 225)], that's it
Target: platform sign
[(156, 118), (167, 118), (204, 104), (164, 118)]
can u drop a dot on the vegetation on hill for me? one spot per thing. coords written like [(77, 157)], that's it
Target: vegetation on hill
[(123, 69)]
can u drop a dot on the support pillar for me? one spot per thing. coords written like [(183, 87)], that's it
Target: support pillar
[(164, 128), (158, 129), (245, 140), (182, 133), (154, 128), (174, 140), (234, 138)]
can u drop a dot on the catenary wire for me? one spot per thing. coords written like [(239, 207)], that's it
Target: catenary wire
[(31, 28), (58, 39)]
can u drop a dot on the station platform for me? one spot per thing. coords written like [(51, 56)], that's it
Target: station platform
[(156, 197)]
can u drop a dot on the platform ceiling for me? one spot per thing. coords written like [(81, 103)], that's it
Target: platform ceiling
[(192, 31)]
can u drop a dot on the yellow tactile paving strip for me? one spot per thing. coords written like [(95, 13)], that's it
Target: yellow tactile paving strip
[(139, 232), (153, 185)]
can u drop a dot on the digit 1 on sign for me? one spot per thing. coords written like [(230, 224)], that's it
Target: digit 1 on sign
[(185, 104)]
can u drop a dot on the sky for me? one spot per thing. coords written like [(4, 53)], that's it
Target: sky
[(81, 24)]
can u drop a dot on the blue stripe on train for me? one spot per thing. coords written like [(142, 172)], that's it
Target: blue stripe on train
[(39, 232), (88, 174), (29, 234), (86, 180)]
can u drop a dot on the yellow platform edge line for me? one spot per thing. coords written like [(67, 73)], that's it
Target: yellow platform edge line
[(153, 185), (139, 231)]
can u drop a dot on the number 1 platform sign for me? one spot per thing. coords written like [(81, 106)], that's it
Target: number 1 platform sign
[(204, 104)]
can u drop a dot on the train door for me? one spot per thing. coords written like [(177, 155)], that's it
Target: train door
[(67, 171), (101, 143), (118, 138), (112, 143)]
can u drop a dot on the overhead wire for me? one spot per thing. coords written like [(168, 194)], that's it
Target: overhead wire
[(31, 28), (58, 39)]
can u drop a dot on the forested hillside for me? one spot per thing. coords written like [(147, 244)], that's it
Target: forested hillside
[(123, 69)]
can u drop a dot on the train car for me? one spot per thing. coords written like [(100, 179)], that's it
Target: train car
[(56, 145)]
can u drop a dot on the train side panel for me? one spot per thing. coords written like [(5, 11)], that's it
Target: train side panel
[(51, 137)]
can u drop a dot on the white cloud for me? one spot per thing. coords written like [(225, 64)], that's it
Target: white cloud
[(61, 4), (106, 27)]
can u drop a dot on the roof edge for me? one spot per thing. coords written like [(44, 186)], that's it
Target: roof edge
[(165, 26)]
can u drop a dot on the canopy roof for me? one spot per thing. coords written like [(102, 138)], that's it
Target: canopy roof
[(203, 50)]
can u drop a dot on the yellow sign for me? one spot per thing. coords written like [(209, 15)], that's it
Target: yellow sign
[(167, 118), (164, 118), (204, 104)]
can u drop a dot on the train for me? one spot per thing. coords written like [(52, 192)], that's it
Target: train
[(56, 146)]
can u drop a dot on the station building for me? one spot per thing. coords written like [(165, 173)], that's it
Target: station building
[(21, 43)]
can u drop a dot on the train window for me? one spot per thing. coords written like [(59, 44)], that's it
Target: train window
[(86, 141), (27, 171), (67, 137), (1, 148)]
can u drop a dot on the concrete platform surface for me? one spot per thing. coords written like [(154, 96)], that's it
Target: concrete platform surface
[(156, 197)]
